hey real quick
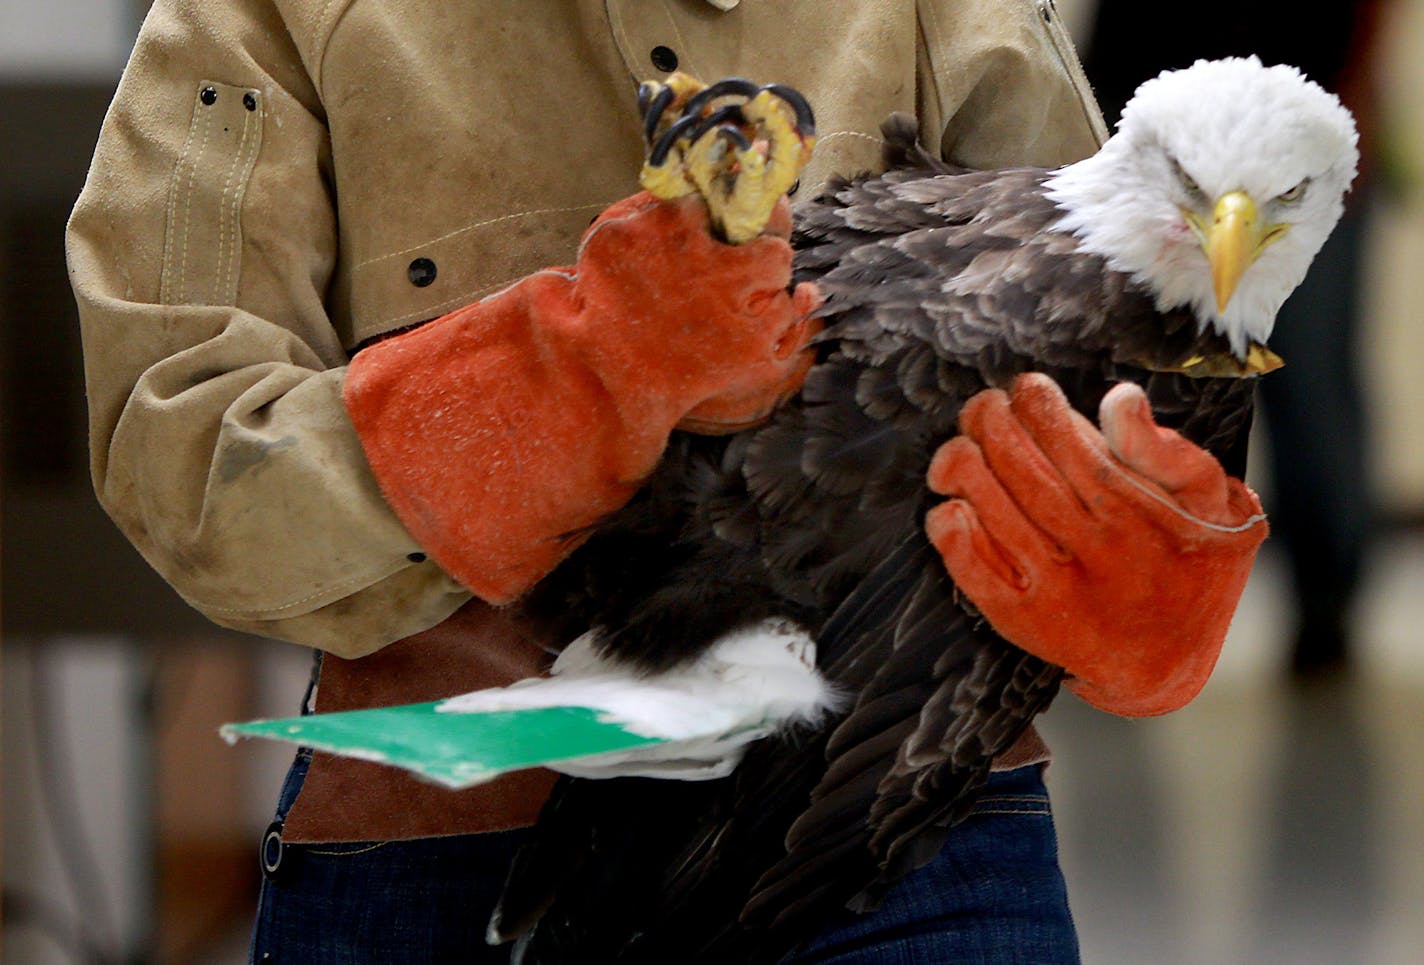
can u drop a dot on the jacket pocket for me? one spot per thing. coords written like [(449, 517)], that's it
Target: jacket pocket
[(203, 226)]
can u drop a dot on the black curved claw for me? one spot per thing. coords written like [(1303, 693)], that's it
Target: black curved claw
[(805, 117), (664, 144), (653, 105), (729, 132), (739, 86), (729, 115), (693, 127)]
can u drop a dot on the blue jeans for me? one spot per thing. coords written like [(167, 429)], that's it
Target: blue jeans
[(426, 900), (994, 894)]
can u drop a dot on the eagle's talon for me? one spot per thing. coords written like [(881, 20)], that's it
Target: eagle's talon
[(728, 118), (663, 146), (729, 133), (731, 87), (687, 130), (805, 117), (662, 103), (740, 156), (653, 101)]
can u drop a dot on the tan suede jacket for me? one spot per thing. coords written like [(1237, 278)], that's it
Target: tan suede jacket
[(278, 181)]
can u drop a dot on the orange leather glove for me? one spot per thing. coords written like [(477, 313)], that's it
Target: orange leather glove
[(500, 432), (1119, 555)]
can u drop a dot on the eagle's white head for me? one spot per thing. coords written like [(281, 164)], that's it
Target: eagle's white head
[(1219, 186)]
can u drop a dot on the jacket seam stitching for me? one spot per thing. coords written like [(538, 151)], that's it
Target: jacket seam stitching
[(860, 134), (166, 279), (220, 273), (252, 147), (264, 612), (474, 227), (468, 296), (1062, 46), (691, 68), (180, 295), (620, 37), (227, 237), (331, 20)]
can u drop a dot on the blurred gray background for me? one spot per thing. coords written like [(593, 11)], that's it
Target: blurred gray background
[(1279, 818)]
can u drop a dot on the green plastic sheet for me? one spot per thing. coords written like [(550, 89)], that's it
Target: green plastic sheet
[(454, 749)]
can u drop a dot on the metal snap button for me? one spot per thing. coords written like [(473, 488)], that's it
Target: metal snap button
[(421, 272), (208, 95), (664, 58)]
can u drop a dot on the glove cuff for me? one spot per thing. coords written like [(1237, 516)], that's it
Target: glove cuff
[(493, 441)]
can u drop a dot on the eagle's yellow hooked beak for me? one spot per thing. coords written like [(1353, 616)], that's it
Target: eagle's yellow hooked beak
[(1234, 239)]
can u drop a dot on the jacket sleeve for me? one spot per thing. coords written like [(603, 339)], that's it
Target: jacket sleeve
[(200, 252), (1001, 85)]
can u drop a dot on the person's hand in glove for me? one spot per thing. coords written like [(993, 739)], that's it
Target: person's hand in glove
[(1119, 555), (500, 432)]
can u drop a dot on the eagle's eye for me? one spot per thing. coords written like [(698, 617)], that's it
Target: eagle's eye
[(1187, 180), (1294, 194)]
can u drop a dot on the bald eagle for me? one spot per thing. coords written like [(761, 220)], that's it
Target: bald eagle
[(1162, 259)]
